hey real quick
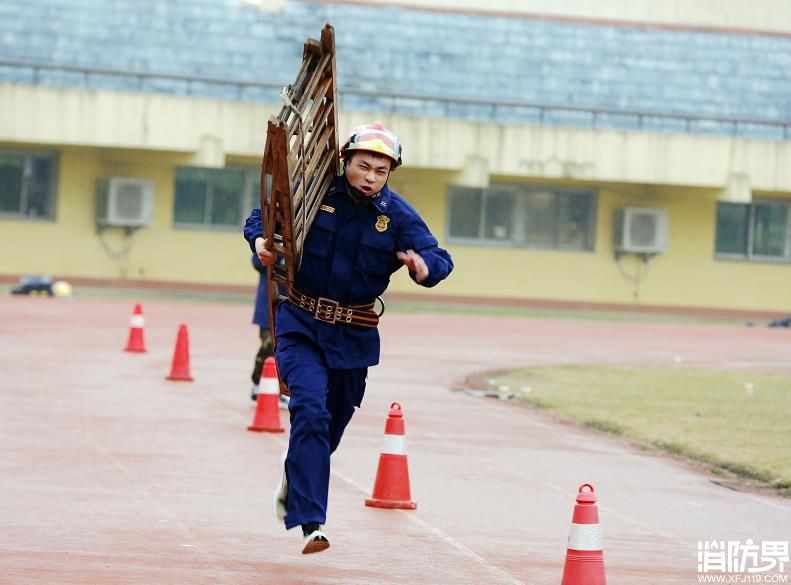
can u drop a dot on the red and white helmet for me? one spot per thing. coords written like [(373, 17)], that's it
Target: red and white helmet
[(374, 138)]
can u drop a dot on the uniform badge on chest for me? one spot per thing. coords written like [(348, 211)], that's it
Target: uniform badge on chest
[(381, 223), (327, 208)]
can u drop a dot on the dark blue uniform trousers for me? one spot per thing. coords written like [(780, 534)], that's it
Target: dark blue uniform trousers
[(322, 404)]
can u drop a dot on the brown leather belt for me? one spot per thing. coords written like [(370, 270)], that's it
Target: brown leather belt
[(333, 312)]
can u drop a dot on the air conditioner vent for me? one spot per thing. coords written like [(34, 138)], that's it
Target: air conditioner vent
[(125, 202), (641, 230)]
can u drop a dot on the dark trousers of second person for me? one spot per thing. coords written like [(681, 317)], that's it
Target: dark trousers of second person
[(265, 350)]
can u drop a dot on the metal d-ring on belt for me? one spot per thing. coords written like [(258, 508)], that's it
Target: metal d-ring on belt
[(330, 311)]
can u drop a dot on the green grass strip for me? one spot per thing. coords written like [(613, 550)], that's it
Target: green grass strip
[(735, 421)]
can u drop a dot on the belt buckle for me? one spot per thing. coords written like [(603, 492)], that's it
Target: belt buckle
[(330, 313)]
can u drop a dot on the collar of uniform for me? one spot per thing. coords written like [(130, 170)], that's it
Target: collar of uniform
[(382, 201), (338, 185)]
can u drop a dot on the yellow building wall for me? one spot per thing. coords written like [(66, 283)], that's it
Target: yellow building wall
[(71, 247), (687, 274)]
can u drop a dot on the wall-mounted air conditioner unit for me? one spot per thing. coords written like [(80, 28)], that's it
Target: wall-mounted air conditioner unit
[(641, 230), (124, 202)]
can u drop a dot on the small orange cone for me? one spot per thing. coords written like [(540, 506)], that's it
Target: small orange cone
[(391, 488), (180, 369), (584, 557), (136, 323), (267, 411)]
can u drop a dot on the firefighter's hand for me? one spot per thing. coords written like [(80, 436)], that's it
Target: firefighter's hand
[(415, 263), (266, 257)]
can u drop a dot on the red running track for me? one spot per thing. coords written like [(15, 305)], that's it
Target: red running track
[(110, 474)]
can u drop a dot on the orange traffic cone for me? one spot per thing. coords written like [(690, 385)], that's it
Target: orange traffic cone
[(391, 489), (180, 369), (136, 323), (267, 410), (584, 557)]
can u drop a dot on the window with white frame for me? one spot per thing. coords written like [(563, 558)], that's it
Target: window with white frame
[(759, 231), (28, 182), (215, 198), (535, 216)]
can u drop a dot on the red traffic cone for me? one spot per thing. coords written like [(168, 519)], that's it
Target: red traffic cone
[(180, 369), (136, 324), (584, 557), (391, 489), (267, 411)]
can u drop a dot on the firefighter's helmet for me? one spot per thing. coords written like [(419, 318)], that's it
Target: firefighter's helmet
[(374, 138)]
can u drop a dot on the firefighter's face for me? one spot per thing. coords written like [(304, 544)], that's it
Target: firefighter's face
[(367, 172)]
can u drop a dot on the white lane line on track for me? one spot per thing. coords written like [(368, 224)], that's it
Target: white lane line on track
[(448, 539), (423, 524)]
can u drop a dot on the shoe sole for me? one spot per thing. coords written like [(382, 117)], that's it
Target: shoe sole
[(315, 546)]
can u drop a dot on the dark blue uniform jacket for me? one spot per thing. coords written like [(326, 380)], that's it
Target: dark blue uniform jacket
[(261, 313), (348, 256)]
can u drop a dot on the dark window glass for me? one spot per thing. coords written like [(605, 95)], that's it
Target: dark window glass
[(732, 222), (215, 197), (11, 171), (498, 212), (226, 197), (27, 184), (575, 212), (541, 219), (39, 187), (255, 191), (769, 229), (758, 230), (191, 193), (465, 212), (523, 215)]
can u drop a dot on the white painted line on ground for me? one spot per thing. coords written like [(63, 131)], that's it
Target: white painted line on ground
[(448, 539), (422, 523)]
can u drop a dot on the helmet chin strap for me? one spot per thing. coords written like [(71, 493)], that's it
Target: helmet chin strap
[(358, 196)]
